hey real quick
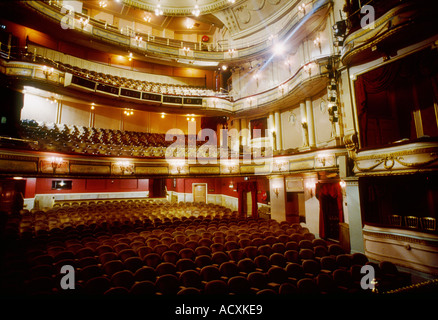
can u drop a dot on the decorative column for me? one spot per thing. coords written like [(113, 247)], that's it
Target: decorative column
[(279, 144), (304, 124), (354, 214), (277, 198), (310, 124), (271, 128)]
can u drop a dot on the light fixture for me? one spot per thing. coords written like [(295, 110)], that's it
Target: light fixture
[(125, 167), (308, 68), (339, 28), (84, 22), (186, 50), (322, 158), (147, 18), (302, 8), (343, 184), (158, 10), (190, 24), (278, 48), (130, 56), (317, 43), (56, 163), (276, 190), (47, 71), (178, 165), (280, 165), (231, 166), (163, 115), (224, 67), (311, 186), (128, 112), (103, 4), (196, 10), (231, 52)]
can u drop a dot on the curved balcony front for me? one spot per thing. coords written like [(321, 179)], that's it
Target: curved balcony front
[(295, 25)]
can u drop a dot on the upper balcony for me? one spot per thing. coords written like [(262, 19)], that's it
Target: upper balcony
[(297, 20), (388, 27)]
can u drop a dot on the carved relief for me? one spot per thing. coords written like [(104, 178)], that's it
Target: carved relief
[(402, 160), (243, 14)]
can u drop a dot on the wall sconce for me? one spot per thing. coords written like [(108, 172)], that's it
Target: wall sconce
[(178, 165), (125, 167), (280, 165), (231, 52), (317, 43), (47, 71), (342, 184), (304, 124), (128, 112), (302, 8), (56, 163), (84, 22), (186, 50), (322, 159), (158, 10), (276, 190), (311, 186), (138, 40), (282, 88), (308, 68)]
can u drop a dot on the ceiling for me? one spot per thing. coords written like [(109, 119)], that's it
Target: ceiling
[(143, 12), (239, 17)]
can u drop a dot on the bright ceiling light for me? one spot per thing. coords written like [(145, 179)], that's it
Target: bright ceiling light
[(278, 48)]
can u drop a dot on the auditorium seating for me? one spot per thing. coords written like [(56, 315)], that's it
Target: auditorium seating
[(93, 141), (119, 81), (140, 247)]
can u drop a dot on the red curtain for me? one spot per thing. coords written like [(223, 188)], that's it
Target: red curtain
[(334, 191), (372, 82), (242, 189)]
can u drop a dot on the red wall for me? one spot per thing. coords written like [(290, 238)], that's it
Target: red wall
[(220, 186), (183, 185), (44, 186)]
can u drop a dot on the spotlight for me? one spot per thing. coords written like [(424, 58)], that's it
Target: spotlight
[(339, 28)]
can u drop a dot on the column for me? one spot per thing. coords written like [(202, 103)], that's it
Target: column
[(310, 124), (279, 144), (271, 127), (244, 131), (353, 214), (278, 198), (304, 121)]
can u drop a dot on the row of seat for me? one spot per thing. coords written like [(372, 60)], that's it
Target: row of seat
[(120, 81), (90, 140), (212, 250)]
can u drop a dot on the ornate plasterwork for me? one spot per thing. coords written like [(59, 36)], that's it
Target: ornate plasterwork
[(180, 8), (403, 161)]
